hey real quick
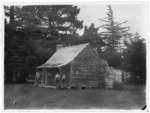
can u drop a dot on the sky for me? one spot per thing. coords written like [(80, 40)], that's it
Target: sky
[(136, 13)]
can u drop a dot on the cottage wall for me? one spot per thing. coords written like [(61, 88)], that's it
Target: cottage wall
[(66, 70), (85, 69)]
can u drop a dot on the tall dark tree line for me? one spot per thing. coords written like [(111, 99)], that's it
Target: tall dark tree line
[(32, 33), (124, 50), (31, 29), (135, 59)]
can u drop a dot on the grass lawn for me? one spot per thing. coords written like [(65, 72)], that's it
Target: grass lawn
[(29, 97)]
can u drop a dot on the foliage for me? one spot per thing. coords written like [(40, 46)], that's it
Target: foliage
[(135, 59), (113, 58), (123, 49), (92, 36), (114, 36), (30, 31), (114, 31)]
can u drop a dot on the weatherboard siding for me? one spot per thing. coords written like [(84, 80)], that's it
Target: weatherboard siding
[(85, 71)]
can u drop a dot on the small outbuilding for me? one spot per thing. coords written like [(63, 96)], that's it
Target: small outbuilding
[(114, 75), (74, 66)]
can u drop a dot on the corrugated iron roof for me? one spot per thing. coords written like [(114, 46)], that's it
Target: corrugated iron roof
[(64, 56)]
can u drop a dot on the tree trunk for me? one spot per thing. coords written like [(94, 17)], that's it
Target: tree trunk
[(12, 14)]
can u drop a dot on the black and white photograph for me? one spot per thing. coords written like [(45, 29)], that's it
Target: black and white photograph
[(75, 56)]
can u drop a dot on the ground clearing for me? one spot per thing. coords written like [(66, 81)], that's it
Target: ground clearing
[(29, 97)]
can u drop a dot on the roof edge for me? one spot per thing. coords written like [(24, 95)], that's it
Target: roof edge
[(75, 45)]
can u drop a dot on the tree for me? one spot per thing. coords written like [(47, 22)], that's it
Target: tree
[(31, 29), (58, 20), (92, 36), (135, 59), (112, 57), (114, 31), (14, 47), (115, 36)]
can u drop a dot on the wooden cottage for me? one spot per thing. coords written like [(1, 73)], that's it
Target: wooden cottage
[(80, 65)]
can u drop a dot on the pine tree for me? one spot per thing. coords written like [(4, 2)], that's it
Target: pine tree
[(135, 59), (114, 31), (92, 36), (31, 35)]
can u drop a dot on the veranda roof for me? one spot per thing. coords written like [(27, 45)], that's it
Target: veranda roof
[(64, 56)]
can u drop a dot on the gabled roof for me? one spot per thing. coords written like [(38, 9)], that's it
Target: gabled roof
[(64, 56)]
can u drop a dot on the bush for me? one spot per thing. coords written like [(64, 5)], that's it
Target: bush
[(117, 85)]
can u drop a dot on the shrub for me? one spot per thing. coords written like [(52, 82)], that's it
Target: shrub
[(117, 85)]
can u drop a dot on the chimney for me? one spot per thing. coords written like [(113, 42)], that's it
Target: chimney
[(59, 46)]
